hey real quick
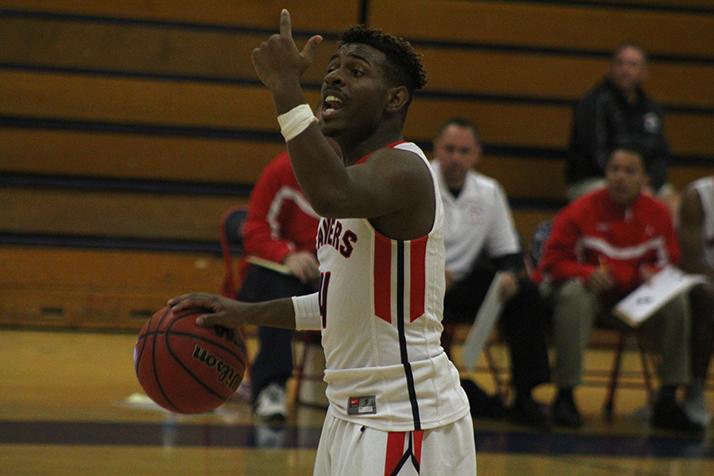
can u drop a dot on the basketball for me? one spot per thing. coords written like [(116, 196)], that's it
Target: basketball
[(185, 368)]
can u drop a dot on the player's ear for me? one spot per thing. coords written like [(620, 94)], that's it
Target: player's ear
[(397, 98)]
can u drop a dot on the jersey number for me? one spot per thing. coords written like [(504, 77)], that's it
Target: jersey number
[(324, 283)]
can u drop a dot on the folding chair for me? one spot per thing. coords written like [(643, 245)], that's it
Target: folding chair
[(625, 334), (231, 239)]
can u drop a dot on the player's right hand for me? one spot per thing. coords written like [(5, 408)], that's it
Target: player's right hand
[(277, 60), (221, 311)]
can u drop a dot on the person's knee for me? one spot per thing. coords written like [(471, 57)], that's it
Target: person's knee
[(573, 292), (677, 308)]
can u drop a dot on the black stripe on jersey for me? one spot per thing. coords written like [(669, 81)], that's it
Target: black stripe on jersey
[(403, 338)]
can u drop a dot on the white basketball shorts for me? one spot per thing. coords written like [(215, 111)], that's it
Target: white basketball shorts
[(349, 449)]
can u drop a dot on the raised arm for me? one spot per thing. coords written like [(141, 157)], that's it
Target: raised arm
[(392, 182)]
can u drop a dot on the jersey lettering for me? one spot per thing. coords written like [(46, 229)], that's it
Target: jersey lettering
[(331, 233), (322, 297)]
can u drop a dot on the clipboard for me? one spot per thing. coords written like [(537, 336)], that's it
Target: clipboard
[(650, 297), (485, 319), (271, 265)]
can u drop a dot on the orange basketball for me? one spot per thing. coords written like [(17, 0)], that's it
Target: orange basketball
[(185, 368)]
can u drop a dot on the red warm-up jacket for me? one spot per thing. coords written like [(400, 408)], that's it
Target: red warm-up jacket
[(280, 220), (594, 231)]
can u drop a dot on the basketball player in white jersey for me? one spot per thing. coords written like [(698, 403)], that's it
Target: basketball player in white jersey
[(696, 237), (396, 405)]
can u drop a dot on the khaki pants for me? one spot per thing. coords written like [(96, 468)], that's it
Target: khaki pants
[(575, 311)]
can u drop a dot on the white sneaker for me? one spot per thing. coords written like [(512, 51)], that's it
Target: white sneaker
[(271, 404), (696, 408)]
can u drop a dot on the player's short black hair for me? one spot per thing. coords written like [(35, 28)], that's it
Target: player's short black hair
[(404, 66)]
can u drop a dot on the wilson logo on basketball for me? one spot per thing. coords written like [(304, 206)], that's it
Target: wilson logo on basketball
[(227, 375)]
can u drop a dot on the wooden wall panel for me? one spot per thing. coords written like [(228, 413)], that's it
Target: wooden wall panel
[(526, 178), (140, 101), (542, 125), (681, 176), (142, 216), (545, 25), (54, 287), (138, 49), (306, 14), (114, 310), (690, 133), (250, 107), (527, 220), (112, 214), (537, 126), (238, 162), (95, 270), (672, 4), (180, 52), (552, 76), (134, 156)]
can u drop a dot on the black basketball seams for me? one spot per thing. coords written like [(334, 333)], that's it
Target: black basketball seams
[(169, 332), (191, 374), (143, 344), (156, 372), (241, 358)]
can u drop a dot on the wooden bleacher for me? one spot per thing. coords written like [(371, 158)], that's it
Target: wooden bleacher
[(126, 128)]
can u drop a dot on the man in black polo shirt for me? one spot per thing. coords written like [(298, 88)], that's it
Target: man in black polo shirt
[(618, 110)]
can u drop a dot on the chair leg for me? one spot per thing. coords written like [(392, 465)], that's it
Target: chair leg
[(609, 406), (646, 372), (501, 387)]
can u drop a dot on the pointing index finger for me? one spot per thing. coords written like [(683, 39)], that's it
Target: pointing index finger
[(285, 28)]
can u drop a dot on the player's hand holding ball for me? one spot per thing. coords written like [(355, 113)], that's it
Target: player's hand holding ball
[(220, 311)]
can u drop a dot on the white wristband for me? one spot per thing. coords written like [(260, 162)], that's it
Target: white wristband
[(307, 312), (295, 121)]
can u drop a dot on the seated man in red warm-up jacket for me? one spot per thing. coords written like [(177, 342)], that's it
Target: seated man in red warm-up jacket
[(603, 246), (280, 228)]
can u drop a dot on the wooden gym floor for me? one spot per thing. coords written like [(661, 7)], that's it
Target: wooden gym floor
[(70, 405)]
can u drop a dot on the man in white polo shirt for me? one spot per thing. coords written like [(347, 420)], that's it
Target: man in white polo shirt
[(480, 239)]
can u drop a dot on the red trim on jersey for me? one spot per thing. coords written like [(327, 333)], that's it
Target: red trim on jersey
[(418, 437), (395, 450), (383, 277), (417, 277), (391, 145)]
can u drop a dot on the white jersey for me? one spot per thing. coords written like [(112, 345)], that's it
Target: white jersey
[(705, 189), (478, 218), (381, 303)]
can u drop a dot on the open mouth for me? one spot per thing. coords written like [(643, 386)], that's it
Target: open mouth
[(331, 105)]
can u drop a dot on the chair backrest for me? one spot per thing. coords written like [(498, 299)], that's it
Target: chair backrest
[(540, 236), (231, 238)]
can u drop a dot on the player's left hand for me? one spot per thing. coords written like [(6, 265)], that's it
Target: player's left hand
[(277, 60)]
